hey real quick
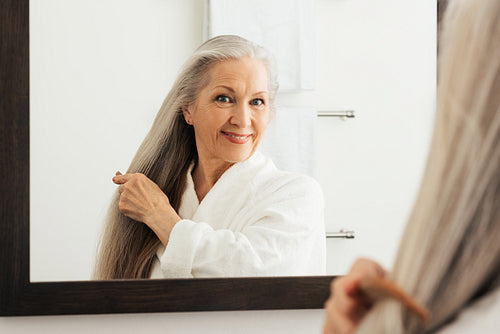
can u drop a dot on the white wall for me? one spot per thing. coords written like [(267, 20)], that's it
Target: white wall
[(378, 58), (99, 73), (247, 322), (365, 46)]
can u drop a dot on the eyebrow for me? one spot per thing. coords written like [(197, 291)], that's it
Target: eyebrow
[(223, 86), (262, 92), (232, 90)]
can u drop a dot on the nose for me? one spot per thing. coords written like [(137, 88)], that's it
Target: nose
[(241, 115)]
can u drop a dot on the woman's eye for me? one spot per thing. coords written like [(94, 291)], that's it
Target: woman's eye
[(223, 98), (257, 102)]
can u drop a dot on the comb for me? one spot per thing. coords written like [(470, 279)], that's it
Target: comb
[(377, 288)]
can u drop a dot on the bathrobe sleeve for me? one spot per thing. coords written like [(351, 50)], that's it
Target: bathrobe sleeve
[(281, 233)]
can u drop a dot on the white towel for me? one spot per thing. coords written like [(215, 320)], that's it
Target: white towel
[(284, 27), (290, 139)]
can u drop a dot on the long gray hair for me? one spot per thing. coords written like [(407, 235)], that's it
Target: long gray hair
[(127, 247), (450, 252)]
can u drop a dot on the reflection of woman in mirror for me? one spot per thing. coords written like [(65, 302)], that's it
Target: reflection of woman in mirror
[(449, 257), (198, 200)]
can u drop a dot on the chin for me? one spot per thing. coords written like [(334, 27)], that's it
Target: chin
[(235, 157)]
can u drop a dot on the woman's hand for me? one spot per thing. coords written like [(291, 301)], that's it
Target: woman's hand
[(347, 304), (142, 200)]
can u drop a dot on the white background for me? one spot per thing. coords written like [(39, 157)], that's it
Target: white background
[(377, 58)]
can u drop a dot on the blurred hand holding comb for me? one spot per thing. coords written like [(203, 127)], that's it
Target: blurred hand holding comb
[(353, 295)]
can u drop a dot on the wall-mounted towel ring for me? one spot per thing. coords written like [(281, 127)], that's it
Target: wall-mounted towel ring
[(343, 114), (340, 234)]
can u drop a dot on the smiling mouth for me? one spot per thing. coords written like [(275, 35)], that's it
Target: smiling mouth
[(236, 138)]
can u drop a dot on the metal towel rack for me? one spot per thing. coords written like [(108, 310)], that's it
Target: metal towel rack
[(340, 234), (343, 114)]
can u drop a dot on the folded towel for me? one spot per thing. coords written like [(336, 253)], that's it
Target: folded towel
[(290, 139), (284, 27)]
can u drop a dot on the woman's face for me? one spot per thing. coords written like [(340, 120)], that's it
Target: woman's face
[(231, 112)]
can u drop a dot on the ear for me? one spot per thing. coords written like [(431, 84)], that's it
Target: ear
[(187, 115)]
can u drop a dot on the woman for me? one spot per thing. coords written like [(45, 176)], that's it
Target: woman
[(198, 200), (449, 257)]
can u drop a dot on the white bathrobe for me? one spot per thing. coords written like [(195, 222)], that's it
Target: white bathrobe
[(255, 221)]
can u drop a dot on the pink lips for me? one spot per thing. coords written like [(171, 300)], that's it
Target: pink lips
[(236, 138)]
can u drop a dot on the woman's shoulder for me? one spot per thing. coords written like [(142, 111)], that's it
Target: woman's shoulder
[(269, 177), (480, 317)]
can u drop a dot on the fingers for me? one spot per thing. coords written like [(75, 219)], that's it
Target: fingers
[(351, 287), (349, 299), (366, 267), (128, 203), (360, 271), (120, 178), (342, 313), (336, 322), (347, 304)]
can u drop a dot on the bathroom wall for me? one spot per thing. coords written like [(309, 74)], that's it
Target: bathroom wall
[(99, 71), (377, 58)]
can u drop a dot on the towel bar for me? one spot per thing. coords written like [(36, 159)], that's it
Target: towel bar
[(339, 113), (340, 234)]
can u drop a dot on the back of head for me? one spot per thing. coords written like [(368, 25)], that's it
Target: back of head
[(450, 252)]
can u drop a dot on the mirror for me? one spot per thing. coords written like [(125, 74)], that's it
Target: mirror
[(96, 87), (20, 296)]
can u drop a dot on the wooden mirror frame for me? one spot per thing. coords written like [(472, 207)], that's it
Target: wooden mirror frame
[(20, 297)]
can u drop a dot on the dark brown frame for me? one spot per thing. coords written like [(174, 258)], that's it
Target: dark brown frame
[(18, 296), (21, 297)]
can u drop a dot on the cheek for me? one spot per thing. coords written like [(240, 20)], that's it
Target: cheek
[(208, 122), (261, 123)]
